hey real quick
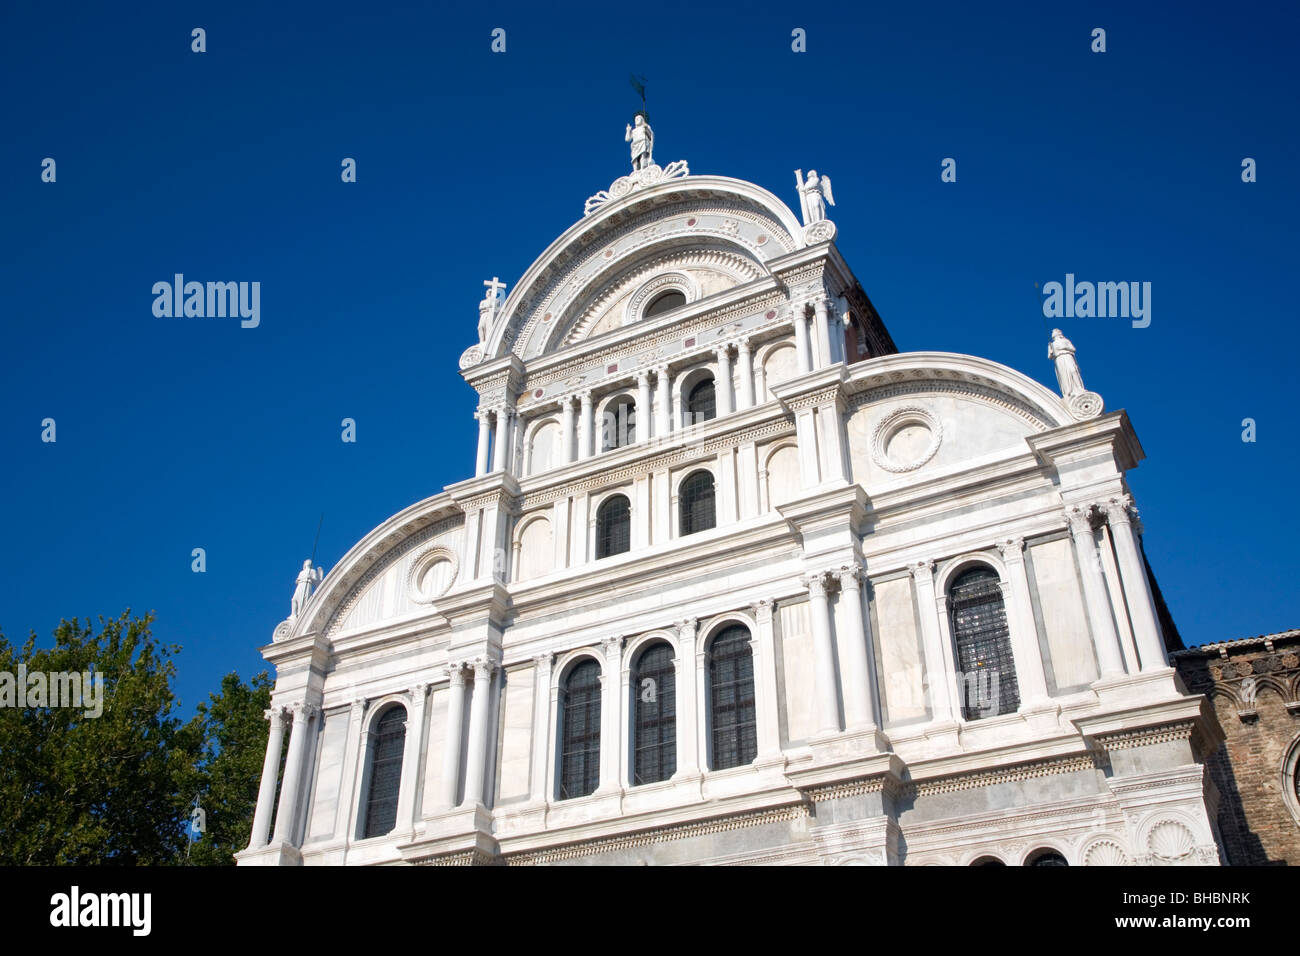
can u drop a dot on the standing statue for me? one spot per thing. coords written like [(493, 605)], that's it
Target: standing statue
[(814, 194), (642, 138), (307, 578), (1061, 351), (493, 299)]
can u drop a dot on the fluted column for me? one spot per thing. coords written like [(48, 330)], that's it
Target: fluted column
[(1094, 591), (450, 795), (484, 438), (859, 694), (611, 714), (821, 311), (411, 756), (644, 415), (802, 349), (1030, 676), (745, 372), (286, 813), (765, 689), (567, 438), (587, 429), (688, 704), (828, 709), (726, 396), (938, 676), (664, 402), (542, 723), (1137, 590), (270, 776), (479, 718)]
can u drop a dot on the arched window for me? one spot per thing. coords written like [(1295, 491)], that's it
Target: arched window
[(654, 709), (988, 861), (619, 426), (387, 741), (701, 403), (1047, 858), (580, 731), (665, 302), (695, 504), (731, 699), (987, 670), (613, 526)]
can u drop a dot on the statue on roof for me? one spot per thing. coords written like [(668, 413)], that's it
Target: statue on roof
[(308, 578), (1082, 403), (490, 307), (642, 138), (814, 195)]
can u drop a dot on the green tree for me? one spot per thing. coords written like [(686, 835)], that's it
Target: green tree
[(234, 731), (111, 789)]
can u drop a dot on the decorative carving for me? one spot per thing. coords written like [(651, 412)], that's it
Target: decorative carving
[(419, 573), (895, 421), (1105, 853), (1085, 405), (823, 231), (1170, 842), (471, 356), (646, 176)]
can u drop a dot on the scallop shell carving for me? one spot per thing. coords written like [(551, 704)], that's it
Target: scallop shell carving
[(1105, 853), (1170, 841)]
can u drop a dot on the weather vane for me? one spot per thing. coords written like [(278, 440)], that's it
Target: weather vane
[(638, 84)]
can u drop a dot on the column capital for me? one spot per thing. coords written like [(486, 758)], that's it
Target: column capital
[(612, 644), (643, 377), (456, 673), (585, 397), (544, 660), (303, 711), (762, 610), (723, 350), (418, 690), (274, 714), (851, 576), (1012, 550), (922, 570), (686, 628), (484, 668), (1120, 509), (815, 582), (1079, 519), (742, 344), (359, 705)]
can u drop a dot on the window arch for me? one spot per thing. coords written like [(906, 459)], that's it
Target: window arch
[(732, 724), (654, 715), (618, 424), (580, 730), (1046, 858), (665, 302), (987, 861), (986, 668), (696, 507), (387, 743), (613, 526), (701, 403)]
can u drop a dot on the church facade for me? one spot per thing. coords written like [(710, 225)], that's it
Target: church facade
[(736, 582)]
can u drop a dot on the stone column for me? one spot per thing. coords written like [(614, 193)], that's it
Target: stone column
[(287, 812), (484, 438), (1137, 590), (587, 436), (938, 678), (270, 776), (801, 346), (643, 412), (450, 795), (859, 694), (353, 759), (542, 722), (726, 397), (1030, 677), (688, 705), (479, 721), (411, 756), (501, 448), (821, 309), (1094, 591), (567, 443), (611, 713), (765, 690), (745, 370), (664, 402), (828, 707)]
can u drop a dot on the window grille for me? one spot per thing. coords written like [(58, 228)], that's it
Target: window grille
[(702, 403), (655, 707), (731, 699), (613, 527), (665, 302), (387, 741), (1048, 858), (987, 678), (580, 731), (695, 503)]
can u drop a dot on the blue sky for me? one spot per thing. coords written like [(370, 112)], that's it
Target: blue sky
[(175, 434)]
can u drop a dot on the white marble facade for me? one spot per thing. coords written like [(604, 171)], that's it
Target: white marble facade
[(853, 485)]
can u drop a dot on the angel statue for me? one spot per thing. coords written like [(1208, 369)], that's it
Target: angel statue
[(814, 194), (642, 138), (307, 578)]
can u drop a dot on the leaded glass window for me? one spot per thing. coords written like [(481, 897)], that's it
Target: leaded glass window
[(580, 731), (701, 403), (732, 725), (654, 708), (387, 742), (987, 677), (695, 503), (613, 526)]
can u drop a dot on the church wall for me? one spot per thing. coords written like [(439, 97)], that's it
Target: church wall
[(436, 741), (900, 661), (536, 549), (387, 596), (1061, 616), (794, 636), (515, 744), (328, 798)]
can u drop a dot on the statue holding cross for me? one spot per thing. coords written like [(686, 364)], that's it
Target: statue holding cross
[(493, 299)]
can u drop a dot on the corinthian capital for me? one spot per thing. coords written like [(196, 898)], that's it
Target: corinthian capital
[(850, 576), (1079, 518), (815, 582), (1012, 549), (1119, 509)]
